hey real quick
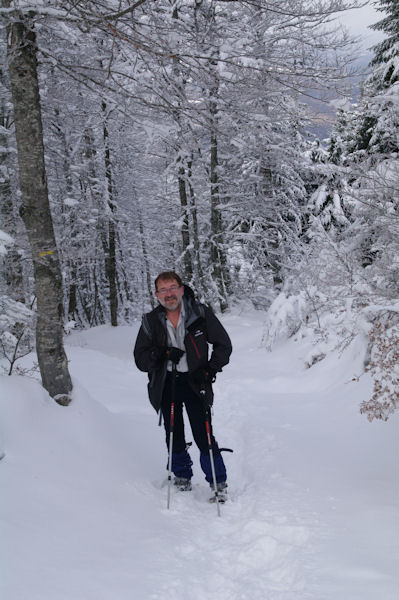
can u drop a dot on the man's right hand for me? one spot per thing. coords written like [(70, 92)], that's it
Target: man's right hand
[(174, 354)]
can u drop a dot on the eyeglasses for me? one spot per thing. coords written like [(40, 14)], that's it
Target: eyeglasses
[(172, 289)]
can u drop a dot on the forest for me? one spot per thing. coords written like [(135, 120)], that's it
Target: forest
[(138, 136)]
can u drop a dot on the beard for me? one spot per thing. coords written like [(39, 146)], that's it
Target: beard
[(170, 303)]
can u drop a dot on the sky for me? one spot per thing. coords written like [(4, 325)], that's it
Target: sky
[(358, 21)]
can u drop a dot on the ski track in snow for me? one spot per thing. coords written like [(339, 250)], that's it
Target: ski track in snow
[(107, 531)]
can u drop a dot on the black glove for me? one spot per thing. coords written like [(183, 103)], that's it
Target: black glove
[(210, 374), (205, 375), (174, 354)]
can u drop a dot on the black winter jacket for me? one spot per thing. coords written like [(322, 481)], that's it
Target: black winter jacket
[(202, 328)]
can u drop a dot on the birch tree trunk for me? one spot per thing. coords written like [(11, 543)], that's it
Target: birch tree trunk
[(35, 209)]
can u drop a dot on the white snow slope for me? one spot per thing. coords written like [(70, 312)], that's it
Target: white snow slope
[(313, 510)]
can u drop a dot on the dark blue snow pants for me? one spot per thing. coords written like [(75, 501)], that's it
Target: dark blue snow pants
[(181, 461)]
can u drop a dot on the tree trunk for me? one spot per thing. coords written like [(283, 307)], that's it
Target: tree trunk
[(110, 261), (197, 263), (145, 253), (69, 224), (11, 262), (218, 255), (35, 210), (179, 84), (185, 231)]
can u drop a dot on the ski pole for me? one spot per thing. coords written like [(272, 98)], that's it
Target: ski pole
[(208, 435), (171, 428)]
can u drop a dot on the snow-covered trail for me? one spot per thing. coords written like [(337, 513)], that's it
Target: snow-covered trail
[(313, 486)]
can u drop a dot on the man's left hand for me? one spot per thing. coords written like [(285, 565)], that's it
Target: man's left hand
[(205, 375), (210, 374)]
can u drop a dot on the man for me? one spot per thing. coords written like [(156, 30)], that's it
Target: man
[(177, 333)]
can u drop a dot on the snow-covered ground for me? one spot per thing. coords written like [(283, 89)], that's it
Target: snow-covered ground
[(313, 511)]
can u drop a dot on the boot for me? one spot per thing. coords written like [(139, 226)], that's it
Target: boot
[(182, 484), (222, 492)]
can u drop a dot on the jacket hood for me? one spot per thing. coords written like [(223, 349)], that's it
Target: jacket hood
[(188, 292)]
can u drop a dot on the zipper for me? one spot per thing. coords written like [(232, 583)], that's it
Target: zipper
[(195, 346)]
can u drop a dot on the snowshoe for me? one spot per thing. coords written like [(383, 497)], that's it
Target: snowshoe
[(182, 484), (221, 492)]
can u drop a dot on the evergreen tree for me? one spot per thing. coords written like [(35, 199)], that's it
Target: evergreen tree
[(356, 261), (386, 54)]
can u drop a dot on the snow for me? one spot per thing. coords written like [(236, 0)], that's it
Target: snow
[(70, 202), (5, 242), (284, 317), (313, 511)]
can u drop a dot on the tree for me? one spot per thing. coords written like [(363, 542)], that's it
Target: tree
[(35, 209), (384, 64), (351, 265), (205, 172)]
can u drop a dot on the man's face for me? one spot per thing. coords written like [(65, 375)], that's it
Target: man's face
[(169, 293)]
